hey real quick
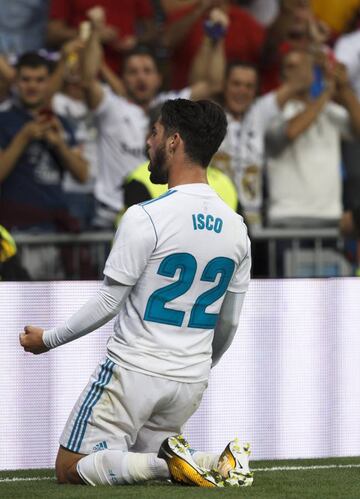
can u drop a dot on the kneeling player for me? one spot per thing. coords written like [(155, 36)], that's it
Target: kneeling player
[(176, 279)]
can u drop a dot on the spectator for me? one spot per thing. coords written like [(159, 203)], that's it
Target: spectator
[(22, 26), (295, 28), (122, 122), (347, 51), (7, 76), (350, 222), (70, 103), (241, 155), (350, 229), (122, 24), (35, 153), (10, 265), (185, 31), (304, 147)]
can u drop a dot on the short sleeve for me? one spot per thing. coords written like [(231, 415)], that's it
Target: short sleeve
[(134, 243), (266, 109), (340, 118), (185, 93), (240, 281), (109, 105), (348, 53), (69, 132)]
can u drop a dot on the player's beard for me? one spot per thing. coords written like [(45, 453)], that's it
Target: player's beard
[(157, 167)]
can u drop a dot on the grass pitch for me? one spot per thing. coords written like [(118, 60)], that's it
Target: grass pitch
[(303, 479)]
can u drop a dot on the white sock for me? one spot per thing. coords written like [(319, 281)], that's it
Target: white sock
[(115, 467), (207, 460), (147, 467)]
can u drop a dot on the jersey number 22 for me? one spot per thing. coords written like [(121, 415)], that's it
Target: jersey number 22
[(157, 312)]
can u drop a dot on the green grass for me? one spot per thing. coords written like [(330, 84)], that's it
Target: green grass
[(342, 483)]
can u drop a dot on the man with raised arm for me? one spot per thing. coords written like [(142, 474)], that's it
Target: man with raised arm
[(122, 121)]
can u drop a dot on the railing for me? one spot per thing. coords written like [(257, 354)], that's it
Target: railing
[(281, 244), (288, 243)]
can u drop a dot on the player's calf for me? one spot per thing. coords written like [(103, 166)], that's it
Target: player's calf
[(108, 467)]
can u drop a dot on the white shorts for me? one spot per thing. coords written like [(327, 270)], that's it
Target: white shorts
[(126, 410)]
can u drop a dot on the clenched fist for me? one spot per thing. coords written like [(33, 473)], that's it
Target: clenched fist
[(31, 340)]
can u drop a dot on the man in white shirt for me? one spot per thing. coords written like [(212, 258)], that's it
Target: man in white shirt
[(241, 155), (304, 148), (122, 122), (176, 279)]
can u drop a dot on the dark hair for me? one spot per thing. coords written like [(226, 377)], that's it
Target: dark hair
[(32, 60), (240, 64), (201, 125), (140, 50), (154, 114)]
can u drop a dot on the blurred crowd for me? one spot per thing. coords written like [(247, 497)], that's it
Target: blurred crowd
[(82, 81)]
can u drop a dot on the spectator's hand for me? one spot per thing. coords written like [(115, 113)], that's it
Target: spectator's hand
[(330, 87), (34, 130), (340, 75), (216, 24), (72, 47), (97, 16), (7, 72), (220, 17), (54, 132), (319, 31), (346, 224), (31, 340), (107, 34)]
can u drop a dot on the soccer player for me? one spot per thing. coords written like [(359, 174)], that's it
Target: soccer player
[(176, 279)]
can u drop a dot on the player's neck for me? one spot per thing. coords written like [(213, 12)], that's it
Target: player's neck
[(187, 174)]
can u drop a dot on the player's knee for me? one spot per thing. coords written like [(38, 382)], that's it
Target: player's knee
[(68, 475)]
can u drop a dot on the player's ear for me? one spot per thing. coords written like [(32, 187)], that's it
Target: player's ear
[(174, 142)]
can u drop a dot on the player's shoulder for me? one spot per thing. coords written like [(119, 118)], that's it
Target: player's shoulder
[(159, 201)]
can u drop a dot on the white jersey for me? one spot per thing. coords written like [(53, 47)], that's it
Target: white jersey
[(122, 129), (81, 119), (305, 177), (181, 252), (347, 51), (241, 154)]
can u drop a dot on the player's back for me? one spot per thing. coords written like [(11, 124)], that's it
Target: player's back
[(166, 326)]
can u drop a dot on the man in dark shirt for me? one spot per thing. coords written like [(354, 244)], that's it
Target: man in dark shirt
[(36, 148)]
